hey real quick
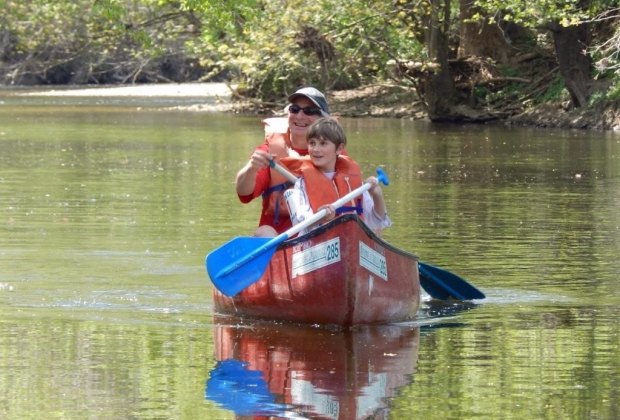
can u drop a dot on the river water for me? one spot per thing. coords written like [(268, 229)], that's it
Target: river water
[(108, 207)]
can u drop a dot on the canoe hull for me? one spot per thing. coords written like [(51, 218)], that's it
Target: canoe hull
[(339, 274)]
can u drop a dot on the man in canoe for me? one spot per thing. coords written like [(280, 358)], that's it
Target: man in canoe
[(326, 174), (283, 137)]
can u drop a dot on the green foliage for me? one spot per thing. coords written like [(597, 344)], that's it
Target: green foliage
[(555, 92), (80, 41), (510, 91), (533, 13), (614, 92), (267, 47), (274, 47)]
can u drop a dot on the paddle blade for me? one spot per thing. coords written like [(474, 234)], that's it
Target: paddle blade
[(382, 176), (442, 284), (234, 386), (231, 270)]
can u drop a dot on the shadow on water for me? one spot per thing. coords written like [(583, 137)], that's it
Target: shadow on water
[(434, 313), (291, 371)]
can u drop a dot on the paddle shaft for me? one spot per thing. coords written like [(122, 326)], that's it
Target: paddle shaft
[(283, 171), (293, 230)]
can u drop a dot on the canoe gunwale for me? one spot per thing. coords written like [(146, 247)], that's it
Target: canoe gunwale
[(343, 219)]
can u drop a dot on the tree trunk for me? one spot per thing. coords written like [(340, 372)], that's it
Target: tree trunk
[(480, 38), (574, 63), (438, 90)]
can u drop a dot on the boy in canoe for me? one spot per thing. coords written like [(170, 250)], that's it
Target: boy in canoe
[(327, 174)]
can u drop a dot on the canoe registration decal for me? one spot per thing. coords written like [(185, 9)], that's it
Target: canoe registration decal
[(373, 261), (315, 257)]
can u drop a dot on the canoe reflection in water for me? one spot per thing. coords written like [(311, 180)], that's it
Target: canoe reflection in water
[(303, 372)]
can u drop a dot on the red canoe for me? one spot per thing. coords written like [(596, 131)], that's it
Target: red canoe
[(340, 273)]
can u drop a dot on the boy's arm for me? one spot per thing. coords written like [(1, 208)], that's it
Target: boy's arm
[(377, 197)]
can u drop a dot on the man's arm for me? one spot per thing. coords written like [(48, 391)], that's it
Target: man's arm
[(245, 182)]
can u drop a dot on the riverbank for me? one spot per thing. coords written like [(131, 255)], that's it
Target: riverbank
[(387, 101), (392, 101)]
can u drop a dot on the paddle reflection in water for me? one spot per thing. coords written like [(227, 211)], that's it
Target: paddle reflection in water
[(292, 371)]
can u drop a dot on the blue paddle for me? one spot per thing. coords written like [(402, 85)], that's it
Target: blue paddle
[(235, 387), (242, 261), (444, 285), (437, 282)]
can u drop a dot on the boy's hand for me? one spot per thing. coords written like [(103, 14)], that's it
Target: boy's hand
[(375, 184), (331, 213)]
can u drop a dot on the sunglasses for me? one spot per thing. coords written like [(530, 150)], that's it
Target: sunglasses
[(309, 110)]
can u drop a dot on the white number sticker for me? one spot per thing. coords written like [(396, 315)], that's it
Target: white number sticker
[(373, 261), (318, 256)]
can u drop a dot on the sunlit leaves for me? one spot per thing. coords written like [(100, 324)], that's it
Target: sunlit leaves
[(259, 41), (264, 44), (535, 13), (265, 40)]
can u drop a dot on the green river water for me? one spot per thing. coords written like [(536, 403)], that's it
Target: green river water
[(108, 207)]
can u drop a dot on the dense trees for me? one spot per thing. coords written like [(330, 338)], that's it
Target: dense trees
[(569, 23), (467, 59)]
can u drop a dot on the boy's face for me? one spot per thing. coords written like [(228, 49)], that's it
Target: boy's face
[(323, 153)]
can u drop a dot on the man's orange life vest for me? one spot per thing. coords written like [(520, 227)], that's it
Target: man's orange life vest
[(277, 137)]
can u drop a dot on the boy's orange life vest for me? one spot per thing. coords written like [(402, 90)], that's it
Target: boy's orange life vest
[(320, 189)]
